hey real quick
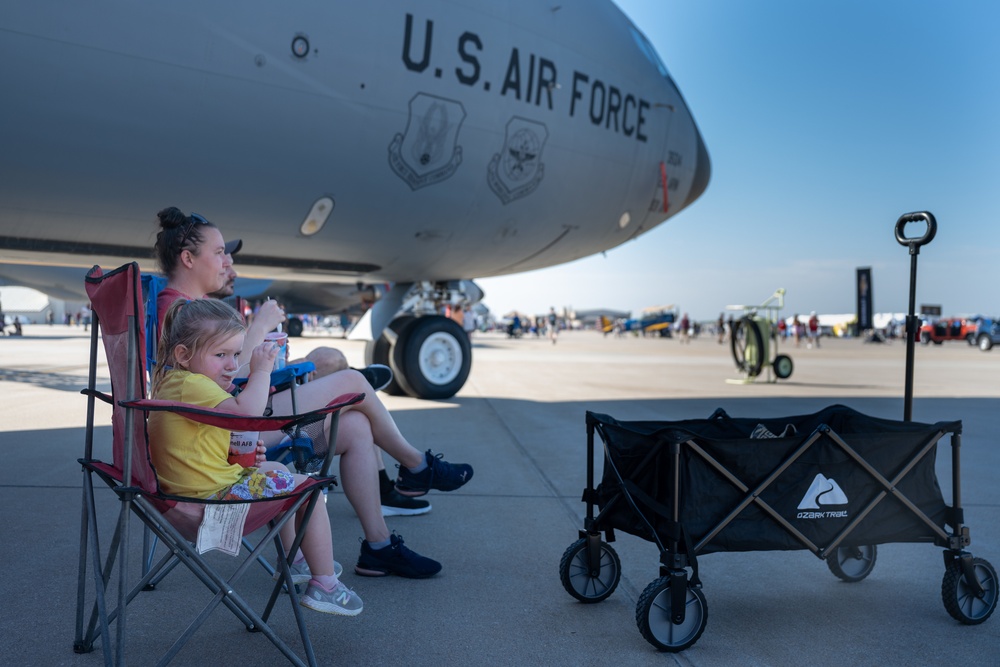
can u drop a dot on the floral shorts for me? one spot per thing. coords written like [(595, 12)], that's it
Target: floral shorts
[(256, 484)]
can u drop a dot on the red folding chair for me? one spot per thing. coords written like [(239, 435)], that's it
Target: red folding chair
[(119, 321)]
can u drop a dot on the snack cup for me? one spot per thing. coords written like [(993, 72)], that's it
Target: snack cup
[(243, 448), (281, 338)]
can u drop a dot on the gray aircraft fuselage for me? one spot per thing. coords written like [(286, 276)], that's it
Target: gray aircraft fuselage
[(451, 139)]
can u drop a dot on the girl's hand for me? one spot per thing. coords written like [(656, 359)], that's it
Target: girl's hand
[(261, 452), (263, 356)]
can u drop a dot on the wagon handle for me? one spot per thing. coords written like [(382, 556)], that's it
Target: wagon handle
[(915, 242), (911, 318)]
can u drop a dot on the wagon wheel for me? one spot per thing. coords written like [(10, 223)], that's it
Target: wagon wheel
[(747, 346), (852, 564), (582, 583), (958, 596), (653, 616)]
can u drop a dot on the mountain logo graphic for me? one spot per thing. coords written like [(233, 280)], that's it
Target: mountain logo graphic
[(822, 491)]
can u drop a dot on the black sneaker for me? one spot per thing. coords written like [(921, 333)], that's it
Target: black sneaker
[(439, 474), (378, 376), (394, 559), (395, 504)]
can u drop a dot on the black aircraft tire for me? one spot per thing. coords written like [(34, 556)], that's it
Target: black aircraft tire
[(432, 357), (746, 337), (294, 327), (380, 352)]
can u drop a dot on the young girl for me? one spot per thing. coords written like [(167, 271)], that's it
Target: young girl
[(200, 346)]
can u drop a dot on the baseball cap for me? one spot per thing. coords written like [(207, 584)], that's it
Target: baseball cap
[(234, 246)]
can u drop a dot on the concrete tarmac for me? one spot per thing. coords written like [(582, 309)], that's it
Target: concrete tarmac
[(499, 601)]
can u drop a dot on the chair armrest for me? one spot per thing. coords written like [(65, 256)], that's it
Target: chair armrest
[(234, 422), (99, 395), (285, 376)]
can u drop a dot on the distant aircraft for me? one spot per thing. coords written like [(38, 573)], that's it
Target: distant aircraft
[(653, 320), (390, 150)]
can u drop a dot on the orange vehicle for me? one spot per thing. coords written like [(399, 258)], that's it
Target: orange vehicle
[(954, 328)]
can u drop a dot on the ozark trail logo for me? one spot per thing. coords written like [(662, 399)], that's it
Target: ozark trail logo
[(822, 491), (517, 169), (427, 152)]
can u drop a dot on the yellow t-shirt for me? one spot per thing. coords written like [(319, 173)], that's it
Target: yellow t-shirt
[(190, 458)]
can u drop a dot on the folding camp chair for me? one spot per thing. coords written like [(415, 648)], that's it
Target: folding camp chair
[(119, 322)]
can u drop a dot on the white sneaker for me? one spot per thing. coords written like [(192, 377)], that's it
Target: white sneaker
[(301, 573), (341, 600)]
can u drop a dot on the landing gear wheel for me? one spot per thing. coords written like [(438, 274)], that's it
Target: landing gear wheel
[(653, 616), (852, 564), (746, 344), (577, 577), (380, 352), (432, 357), (294, 327), (958, 596), (782, 367)]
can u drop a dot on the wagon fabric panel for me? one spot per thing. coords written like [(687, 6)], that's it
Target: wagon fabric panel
[(819, 493)]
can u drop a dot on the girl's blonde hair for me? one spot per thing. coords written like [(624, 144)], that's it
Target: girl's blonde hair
[(193, 324)]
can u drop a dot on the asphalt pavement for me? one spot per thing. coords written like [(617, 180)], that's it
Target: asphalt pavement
[(499, 600)]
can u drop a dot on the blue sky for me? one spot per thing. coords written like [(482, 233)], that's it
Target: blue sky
[(825, 121)]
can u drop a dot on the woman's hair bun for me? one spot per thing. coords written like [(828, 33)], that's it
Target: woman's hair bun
[(171, 218)]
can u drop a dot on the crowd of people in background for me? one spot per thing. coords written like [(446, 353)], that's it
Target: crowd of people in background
[(548, 325), (80, 318), (798, 328)]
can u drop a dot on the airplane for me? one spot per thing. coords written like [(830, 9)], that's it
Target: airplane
[(653, 320), (388, 151)]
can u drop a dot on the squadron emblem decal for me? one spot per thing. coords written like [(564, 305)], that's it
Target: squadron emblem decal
[(517, 169), (427, 152)]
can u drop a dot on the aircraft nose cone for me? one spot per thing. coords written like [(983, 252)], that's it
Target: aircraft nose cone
[(702, 171)]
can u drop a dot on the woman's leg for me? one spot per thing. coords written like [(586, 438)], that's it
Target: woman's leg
[(317, 544), (319, 392), (359, 474)]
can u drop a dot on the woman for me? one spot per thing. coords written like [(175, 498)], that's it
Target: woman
[(196, 261), (193, 255)]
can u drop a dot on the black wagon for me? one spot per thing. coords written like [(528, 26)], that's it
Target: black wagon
[(836, 482)]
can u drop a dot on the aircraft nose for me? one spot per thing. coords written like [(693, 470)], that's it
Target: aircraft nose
[(702, 171)]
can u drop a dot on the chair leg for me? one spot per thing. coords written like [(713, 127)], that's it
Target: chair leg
[(223, 589), (81, 584)]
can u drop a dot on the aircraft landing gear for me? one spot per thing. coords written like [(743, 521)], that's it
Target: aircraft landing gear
[(430, 356), (294, 327)]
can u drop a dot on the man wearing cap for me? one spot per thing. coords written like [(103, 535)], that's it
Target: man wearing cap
[(329, 360)]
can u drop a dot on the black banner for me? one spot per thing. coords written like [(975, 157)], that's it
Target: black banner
[(865, 316)]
